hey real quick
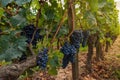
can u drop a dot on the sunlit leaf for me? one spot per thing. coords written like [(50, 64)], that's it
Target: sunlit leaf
[(93, 5), (1, 12), (91, 20), (35, 4)]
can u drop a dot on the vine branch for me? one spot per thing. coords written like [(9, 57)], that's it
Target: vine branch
[(13, 71), (36, 27), (73, 18), (59, 26), (37, 21)]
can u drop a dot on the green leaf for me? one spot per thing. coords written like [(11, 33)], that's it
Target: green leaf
[(111, 1), (93, 5), (22, 12), (35, 4), (5, 2), (12, 46), (21, 44), (21, 2), (55, 59), (10, 54), (50, 14), (1, 12), (63, 31), (102, 3), (18, 20), (52, 71), (90, 18), (43, 14), (53, 62)]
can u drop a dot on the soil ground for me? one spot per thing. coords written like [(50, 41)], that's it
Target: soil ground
[(108, 69)]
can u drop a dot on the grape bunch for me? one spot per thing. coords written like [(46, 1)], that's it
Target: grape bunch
[(76, 38), (28, 31), (85, 38), (67, 59), (42, 58), (69, 51)]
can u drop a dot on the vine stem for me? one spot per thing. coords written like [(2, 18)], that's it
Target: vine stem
[(12, 13), (36, 27), (13, 71), (59, 26), (73, 18), (37, 20), (71, 23), (30, 48)]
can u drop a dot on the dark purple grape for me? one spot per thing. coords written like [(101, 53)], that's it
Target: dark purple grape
[(65, 61), (42, 58), (69, 51), (28, 31), (76, 38)]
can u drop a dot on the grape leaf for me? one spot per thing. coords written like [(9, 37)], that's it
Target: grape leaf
[(52, 71), (1, 12), (21, 2), (90, 18), (102, 3), (5, 2), (35, 4), (94, 5), (18, 20), (12, 46)]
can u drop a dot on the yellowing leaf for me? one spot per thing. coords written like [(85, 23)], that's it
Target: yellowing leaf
[(1, 12)]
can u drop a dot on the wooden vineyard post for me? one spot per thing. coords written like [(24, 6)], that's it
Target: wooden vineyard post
[(71, 23), (75, 68)]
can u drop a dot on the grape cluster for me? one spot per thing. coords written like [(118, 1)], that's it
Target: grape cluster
[(28, 31), (85, 38), (42, 58), (76, 38), (69, 51)]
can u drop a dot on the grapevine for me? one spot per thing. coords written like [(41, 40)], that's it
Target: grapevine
[(59, 19)]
